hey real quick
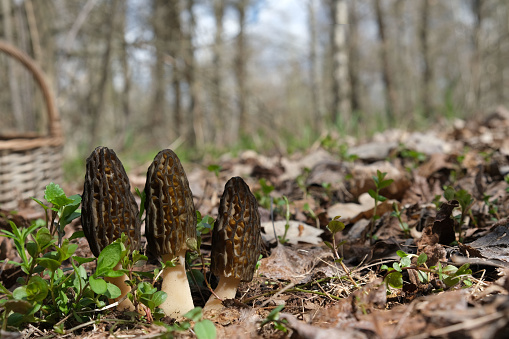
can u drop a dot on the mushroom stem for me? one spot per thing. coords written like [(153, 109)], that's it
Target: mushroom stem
[(124, 289), (226, 289), (179, 300)]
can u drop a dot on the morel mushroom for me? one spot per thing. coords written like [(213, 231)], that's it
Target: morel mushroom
[(109, 209), (170, 225), (236, 241)]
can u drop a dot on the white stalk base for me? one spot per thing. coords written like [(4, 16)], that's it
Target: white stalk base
[(226, 289), (179, 300)]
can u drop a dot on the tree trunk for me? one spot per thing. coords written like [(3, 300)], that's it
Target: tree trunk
[(217, 74), (341, 83), (314, 83), (159, 80), (104, 76), (194, 119), (240, 73), (354, 57), (477, 8), (427, 71), (390, 91)]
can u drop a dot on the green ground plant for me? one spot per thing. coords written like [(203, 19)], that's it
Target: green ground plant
[(402, 225), (449, 275), (380, 183), (57, 293), (274, 318)]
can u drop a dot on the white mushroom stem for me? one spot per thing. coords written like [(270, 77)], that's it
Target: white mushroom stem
[(179, 300), (126, 305), (226, 289)]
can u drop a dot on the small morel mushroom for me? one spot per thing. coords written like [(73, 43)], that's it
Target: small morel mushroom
[(109, 209), (236, 240), (170, 225)]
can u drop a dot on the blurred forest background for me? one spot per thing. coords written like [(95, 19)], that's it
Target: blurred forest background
[(213, 75)]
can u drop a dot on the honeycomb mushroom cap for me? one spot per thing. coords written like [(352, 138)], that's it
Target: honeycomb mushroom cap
[(236, 238), (171, 216), (108, 206)]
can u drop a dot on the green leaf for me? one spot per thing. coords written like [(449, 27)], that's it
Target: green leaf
[(328, 244), (373, 194), (108, 258), (464, 270), (205, 329), (422, 259), (159, 297), (385, 183), (381, 198), (395, 279), (401, 254), (112, 291), (405, 262), (76, 235), (49, 263), (43, 238), (20, 293), (449, 193), (396, 266), (55, 194), (99, 286), (274, 314), (195, 314), (335, 226), (146, 288), (32, 249), (36, 289), (82, 260)]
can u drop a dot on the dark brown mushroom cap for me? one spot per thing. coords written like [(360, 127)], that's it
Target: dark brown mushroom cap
[(236, 238), (171, 216), (108, 206)]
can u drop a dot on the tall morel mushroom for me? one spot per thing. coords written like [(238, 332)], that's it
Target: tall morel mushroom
[(236, 240), (170, 224), (109, 209)]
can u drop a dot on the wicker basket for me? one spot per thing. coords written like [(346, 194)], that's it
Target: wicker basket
[(30, 161)]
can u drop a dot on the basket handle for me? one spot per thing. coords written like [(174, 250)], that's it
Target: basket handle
[(55, 128)]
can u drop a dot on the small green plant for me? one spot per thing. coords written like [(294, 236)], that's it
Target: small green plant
[(380, 183), (465, 201), (214, 168), (64, 208), (492, 206), (263, 195), (335, 226), (403, 225), (274, 318), (301, 180), (506, 179), (53, 294), (282, 239), (450, 275), (203, 328)]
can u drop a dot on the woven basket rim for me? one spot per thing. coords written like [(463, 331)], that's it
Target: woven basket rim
[(20, 141)]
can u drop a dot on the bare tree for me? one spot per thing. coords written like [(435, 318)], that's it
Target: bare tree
[(194, 120), (217, 73), (240, 72), (427, 71), (390, 90), (354, 57), (314, 82), (341, 83)]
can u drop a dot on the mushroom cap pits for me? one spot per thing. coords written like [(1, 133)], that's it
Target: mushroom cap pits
[(108, 206), (236, 238), (170, 213)]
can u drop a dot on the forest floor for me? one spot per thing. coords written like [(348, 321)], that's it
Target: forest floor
[(447, 197)]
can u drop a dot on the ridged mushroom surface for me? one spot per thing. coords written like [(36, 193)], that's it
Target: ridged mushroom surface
[(171, 216), (108, 206), (236, 238)]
